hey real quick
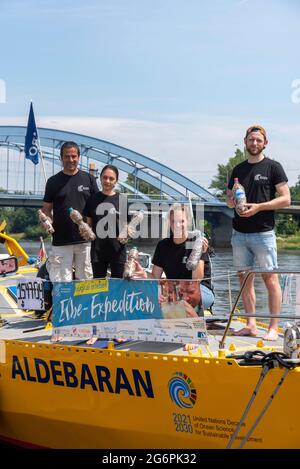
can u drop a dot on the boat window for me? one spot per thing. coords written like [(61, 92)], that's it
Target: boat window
[(8, 265)]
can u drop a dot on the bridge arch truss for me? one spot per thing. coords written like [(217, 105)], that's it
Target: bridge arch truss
[(169, 183)]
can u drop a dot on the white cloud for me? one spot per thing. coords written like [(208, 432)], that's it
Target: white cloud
[(192, 144)]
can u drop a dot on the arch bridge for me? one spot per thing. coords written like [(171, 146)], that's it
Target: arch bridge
[(95, 152), (22, 183)]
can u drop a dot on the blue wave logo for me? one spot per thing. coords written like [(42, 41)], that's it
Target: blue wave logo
[(182, 390)]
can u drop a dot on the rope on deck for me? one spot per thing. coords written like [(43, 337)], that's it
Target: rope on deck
[(268, 361)]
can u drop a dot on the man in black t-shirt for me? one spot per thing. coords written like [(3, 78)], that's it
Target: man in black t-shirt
[(71, 187), (253, 239)]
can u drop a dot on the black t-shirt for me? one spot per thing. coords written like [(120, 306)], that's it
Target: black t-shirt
[(259, 181), (172, 259), (63, 192), (108, 212)]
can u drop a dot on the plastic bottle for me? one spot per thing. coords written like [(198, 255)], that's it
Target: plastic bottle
[(46, 224), (130, 230), (239, 196), (196, 253), (85, 230), (129, 268)]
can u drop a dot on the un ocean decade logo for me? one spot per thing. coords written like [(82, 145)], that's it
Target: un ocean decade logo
[(182, 390)]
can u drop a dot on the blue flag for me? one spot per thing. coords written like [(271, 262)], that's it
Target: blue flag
[(32, 151)]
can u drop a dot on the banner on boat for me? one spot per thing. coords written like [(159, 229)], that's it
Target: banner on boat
[(157, 310)]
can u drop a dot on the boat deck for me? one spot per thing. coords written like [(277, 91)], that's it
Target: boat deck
[(24, 326)]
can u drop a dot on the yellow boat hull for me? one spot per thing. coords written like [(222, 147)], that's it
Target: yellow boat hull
[(60, 396)]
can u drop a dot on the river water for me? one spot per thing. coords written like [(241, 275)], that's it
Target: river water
[(226, 282), (224, 277)]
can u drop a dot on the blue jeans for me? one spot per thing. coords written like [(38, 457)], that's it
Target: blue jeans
[(207, 297), (254, 248)]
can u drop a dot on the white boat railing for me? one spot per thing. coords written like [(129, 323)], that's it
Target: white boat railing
[(233, 311)]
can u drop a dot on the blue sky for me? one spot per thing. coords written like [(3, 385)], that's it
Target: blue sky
[(177, 81)]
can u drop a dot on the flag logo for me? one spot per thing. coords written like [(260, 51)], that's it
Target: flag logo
[(32, 151)]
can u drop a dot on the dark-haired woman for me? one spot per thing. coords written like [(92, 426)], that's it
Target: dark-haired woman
[(104, 211)]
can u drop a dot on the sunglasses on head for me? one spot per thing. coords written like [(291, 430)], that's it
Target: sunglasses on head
[(256, 128)]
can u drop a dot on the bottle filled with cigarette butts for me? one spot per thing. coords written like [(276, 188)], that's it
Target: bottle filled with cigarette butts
[(129, 268), (85, 230), (196, 253), (129, 231), (45, 222), (239, 196)]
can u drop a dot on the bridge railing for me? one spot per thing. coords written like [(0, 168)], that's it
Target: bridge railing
[(149, 197)]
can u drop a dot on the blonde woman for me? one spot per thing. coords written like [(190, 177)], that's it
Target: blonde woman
[(172, 252)]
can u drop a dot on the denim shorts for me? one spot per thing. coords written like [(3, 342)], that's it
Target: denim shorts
[(254, 250)]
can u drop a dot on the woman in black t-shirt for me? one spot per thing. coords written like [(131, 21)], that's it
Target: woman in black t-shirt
[(172, 253), (105, 211)]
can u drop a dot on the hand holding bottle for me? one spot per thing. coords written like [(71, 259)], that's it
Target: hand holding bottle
[(45, 222), (139, 272), (239, 197), (130, 264)]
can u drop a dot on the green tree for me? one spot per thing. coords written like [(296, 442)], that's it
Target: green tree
[(295, 190), (18, 219), (6, 214), (295, 196), (35, 232), (22, 218), (220, 181), (286, 224)]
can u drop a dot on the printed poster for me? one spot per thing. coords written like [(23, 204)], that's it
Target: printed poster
[(156, 310)]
